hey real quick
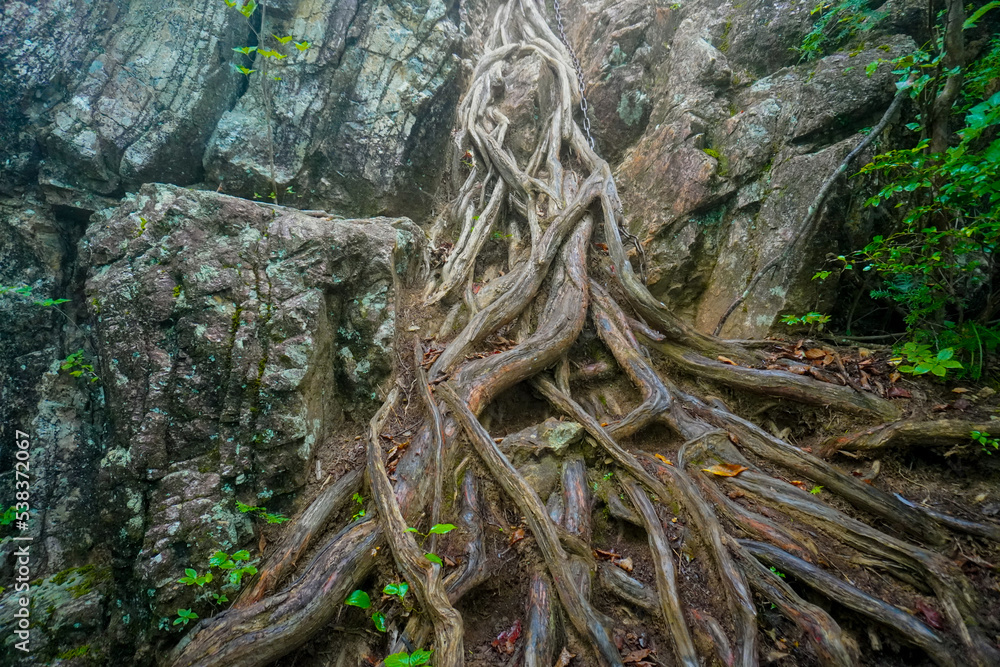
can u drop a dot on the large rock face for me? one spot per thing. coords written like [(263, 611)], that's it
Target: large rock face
[(724, 141), (233, 340), (358, 119), (102, 96)]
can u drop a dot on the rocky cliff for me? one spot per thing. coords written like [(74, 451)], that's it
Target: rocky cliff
[(223, 340)]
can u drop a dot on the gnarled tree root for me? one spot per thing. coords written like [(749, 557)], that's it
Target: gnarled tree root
[(909, 628), (294, 544), (577, 608)]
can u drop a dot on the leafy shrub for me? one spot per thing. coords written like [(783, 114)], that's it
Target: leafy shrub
[(984, 439), (836, 23), (923, 360)]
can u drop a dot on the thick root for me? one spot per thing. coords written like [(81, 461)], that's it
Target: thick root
[(423, 575), (822, 631), (294, 544), (909, 628), (666, 575), (577, 608)]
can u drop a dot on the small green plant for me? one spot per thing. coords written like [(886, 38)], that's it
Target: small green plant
[(404, 659), (185, 615), (836, 23), (8, 516), (436, 529), (361, 600), (358, 599), (817, 319), (360, 512), (922, 360), (398, 590), (236, 565), (777, 572), (498, 236), (816, 490), (262, 59), (986, 440), (25, 291), (77, 367), (262, 513), (192, 578)]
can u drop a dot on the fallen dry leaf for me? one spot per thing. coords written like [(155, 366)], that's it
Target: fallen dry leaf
[(799, 483), (725, 469), (815, 353), (564, 658), (625, 564), (895, 376), (959, 390), (636, 656), (898, 392), (504, 643), (930, 615), (726, 360), (663, 458), (864, 352), (517, 535)]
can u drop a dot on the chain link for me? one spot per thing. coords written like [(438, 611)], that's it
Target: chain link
[(584, 107)]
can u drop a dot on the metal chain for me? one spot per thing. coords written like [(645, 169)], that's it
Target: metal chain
[(585, 108), (579, 73)]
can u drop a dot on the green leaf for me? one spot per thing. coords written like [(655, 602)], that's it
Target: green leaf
[(218, 558), (434, 558), (442, 528), (378, 618), (399, 589), (971, 21), (245, 50), (230, 3), (420, 658), (249, 8), (816, 490), (245, 71), (401, 659), (358, 599), (303, 45), (282, 40), (922, 367), (945, 354), (242, 554), (411, 529)]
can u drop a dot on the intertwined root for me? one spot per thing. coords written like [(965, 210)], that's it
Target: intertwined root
[(541, 299)]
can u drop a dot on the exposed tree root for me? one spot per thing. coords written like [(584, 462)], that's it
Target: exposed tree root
[(824, 633), (423, 575), (937, 433), (540, 296), (294, 544), (908, 627), (666, 576), (539, 636)]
